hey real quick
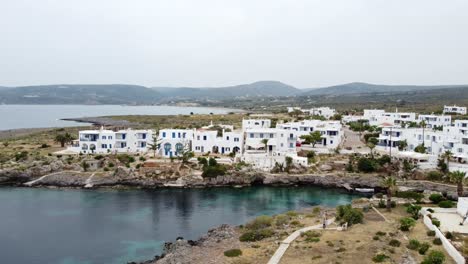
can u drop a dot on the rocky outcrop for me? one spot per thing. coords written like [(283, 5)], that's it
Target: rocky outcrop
[(35, 170), (186, 251)]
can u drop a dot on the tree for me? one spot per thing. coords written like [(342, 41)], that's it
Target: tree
[(289, 162), (295, 113), (63, 139), (420, 149), (265, 142), (447, 155), (372, 142), (84, 165), (402, 145), (423, 125), (154, 146), (312, 138), (458, 178), (390, 184)]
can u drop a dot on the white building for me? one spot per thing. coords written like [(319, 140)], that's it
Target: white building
[(460, 110), (255, 123), (173, 141), (325, 112), (108, 141), (211, 141), (331, 131), (433, 121)]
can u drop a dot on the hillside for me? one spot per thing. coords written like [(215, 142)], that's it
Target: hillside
[(364, 88), (262, 89), (79, 94)]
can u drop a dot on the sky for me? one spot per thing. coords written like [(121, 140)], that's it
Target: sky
[(209, 43)]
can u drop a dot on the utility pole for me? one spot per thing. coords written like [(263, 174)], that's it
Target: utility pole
[(391, 142)]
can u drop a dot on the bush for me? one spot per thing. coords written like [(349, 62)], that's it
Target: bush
[(23, 155), (430, 233), (380, 233), (125, 158), (409, 195), (379, 258), (394, 243), (142, 158), (202, 161), (430, 210), (376, 238), (449, 235), (213, 171), (367, 165), (44, 145), (281, 220), (446, 204), (311, 233), (436, 198), (414, 211), (345, 213), (413, 244), (423, 248), (257, 235), (434, 257), (435, 176), (437, 241), (111, 165), (291, 213), (260, 222), (435, 222), (407, 223), (233, 253), (98, 157), (312, 239), (384, 159)]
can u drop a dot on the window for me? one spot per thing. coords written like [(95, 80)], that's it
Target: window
[(291, 145), (103, 145), (236, 139), (173, 134), (110, 145), (271, 135), (227, 138), (103, 137), (163, 135), (261, 135), (178, 135), (198, 137), (251, 135), (204, 137), (109, 137), (184, 134)]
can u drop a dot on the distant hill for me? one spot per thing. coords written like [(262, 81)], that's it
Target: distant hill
[(264, 90), (79, 94), (364, 88), (256, 89)]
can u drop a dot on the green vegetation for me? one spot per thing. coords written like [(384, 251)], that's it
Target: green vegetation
[(414, 211), (233, 253), (212, 168), (345, 213), (445, 204), (407, 223), (458, 178), (423, 248), (436, 198), (394, 243), (313, 138), (413, 244), (256, 235), (434, 257), (380, 258)]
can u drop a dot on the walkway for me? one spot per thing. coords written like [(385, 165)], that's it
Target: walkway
[(352, 140), (88, 182), (275, 259)]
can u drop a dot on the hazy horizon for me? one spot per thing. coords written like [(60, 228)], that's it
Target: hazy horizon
[(208, 43)]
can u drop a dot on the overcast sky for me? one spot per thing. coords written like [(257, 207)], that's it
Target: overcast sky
[(305, 43)]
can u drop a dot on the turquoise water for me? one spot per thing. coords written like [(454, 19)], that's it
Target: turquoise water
[(117, 226), (36, 116)]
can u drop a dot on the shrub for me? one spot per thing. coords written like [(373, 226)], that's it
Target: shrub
[(202, 161), (414, 211), (376, 238), (44, 145), (436, 198), (423, 248), (413, 244), (98, 157), (430, 210), (431, 233), (296, 223), (23, 155), (281, 220), (213, 171), (367, 165), (407, 223), (434, 257), (380, 233), (435, 176), (384, 159), (110, 165), (446, 204), (142, 158), (409, 195), (449, 235), (233, 253), (257, 235), (125, 158), (379, 258), (436, 222), (311, 234), (345, 213), (437, 241), (106, 169), (382, 204), (291, 213), (394, 243), (260, 222), (312, 239)]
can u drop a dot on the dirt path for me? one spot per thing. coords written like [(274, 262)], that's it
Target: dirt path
[(352, 140)]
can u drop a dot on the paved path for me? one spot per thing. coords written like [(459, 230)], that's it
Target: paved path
[(88, 182), (276, 258), (352, 140), (30, 183)]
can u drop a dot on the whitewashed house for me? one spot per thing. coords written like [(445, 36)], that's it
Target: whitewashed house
[(205, 141), (460, 110), (255, 123), (325, 112), (433, 121), (173, 141), (109, 141), (331, 131)]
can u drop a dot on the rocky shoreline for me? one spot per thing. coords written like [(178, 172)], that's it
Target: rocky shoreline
[(56, 174)]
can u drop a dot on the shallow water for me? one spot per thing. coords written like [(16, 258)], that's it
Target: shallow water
[(38, 116), (117, 226)]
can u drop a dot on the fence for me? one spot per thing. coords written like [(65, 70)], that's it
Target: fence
[(451, 250)]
